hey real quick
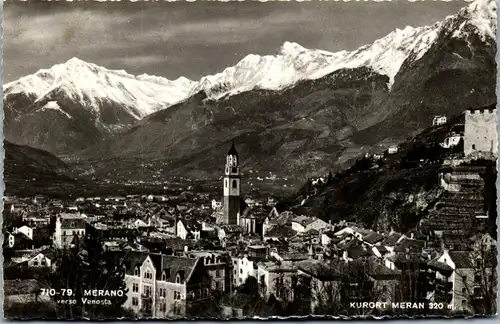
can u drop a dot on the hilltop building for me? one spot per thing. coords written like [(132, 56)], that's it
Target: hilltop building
[(438, 120), (480, 131)]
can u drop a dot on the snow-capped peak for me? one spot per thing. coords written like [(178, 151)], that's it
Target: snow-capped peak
[(90, 85), (291, 49), (75, 61), (294, 63), (385, 56), (482, 15)]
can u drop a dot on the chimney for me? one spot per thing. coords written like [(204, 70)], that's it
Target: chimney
[(186, 248)]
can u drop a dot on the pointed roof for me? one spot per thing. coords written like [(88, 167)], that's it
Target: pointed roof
[(232, 150)]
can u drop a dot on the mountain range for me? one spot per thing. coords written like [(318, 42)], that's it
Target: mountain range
[(301, 111)]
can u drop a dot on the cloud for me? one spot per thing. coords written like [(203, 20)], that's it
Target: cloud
[(192, 39), (140, 60)]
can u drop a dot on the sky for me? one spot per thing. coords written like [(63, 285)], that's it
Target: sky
[(193, 39)]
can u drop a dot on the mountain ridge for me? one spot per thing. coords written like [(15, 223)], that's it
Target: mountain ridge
[(309, 124)]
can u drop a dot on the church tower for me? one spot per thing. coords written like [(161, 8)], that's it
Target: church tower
[(231, 208)]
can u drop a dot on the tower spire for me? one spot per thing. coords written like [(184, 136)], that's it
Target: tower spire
[(231, 207), (232, 150)]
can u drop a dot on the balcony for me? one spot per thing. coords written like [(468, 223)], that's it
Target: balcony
[(443, 285)]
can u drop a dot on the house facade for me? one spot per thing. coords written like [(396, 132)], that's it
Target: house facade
[(67, 226), (161, 286)]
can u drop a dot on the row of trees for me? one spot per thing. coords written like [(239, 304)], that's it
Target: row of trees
[(83, 267)]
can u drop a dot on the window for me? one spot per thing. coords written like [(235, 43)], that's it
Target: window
[(135, 287), (478, 263), (163, 292), (477, 292), (136, 271), (177, 295), (43, 262), (148, 275), (135, 301), (241, 271), (163, 307), (218, 273), (473, 146), (235, 272), (164, 276), (463, 290), (178, 279), (463, 302), (147, 291), (477, 279), (235, 262), (35, 263), (225, 184), (234, 184)]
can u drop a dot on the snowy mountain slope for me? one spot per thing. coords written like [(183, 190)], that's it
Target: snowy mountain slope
[(90, 85), (76, 104), (317, 125), (385, 56)]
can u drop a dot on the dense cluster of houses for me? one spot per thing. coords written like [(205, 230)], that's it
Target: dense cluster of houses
[(174, 262), (179, 251)]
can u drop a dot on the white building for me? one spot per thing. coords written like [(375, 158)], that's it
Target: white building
[(164, 286), (438, 120), (451, 140), (67, 227), (216, 205), (40, 260), (303, 224), (28, 231), (245, 268), (392, 149)]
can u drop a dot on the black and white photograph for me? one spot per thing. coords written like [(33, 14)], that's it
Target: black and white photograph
[(249, 159)]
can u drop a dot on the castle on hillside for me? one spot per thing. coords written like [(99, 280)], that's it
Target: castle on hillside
[(480, 131)]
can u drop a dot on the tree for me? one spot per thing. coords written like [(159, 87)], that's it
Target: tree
[(82, 269), (481, 281), (337, 284), (330, 178), (30, 310), (294, 293)]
